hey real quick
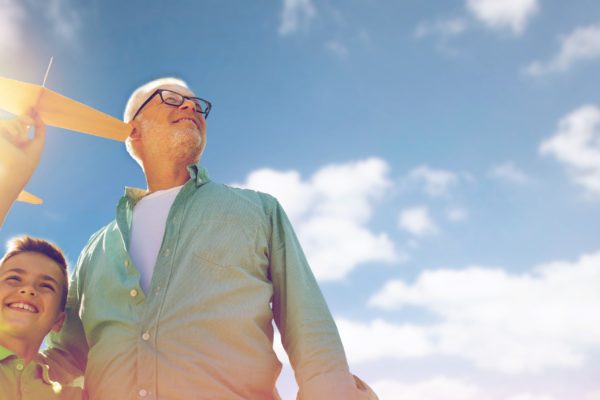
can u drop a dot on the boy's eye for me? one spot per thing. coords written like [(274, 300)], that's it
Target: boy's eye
[(48, 286), (13, 278)]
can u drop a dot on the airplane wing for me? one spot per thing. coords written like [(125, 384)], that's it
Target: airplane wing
[(57, 110), (29, 198), (60, 111)]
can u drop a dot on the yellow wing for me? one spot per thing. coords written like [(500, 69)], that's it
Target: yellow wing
[(57, 110), (29, 198)]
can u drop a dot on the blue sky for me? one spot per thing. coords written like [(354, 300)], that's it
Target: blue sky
[(439, 160)]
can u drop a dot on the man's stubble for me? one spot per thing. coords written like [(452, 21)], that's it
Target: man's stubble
[(181, 144)]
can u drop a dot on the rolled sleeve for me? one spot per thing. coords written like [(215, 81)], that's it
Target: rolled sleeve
[(336, 385), (308, 332)]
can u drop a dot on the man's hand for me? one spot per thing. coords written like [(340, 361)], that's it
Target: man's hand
[(19, 156)]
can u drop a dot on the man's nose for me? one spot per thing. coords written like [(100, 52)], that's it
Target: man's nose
[(187, 104), (28, 291)]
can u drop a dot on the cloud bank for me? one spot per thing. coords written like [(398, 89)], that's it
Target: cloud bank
[(510, 323)]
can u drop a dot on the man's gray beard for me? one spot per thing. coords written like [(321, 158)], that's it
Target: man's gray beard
[(181, 143)]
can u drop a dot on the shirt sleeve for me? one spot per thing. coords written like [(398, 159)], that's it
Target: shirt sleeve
[(67, 349), (308, 331)]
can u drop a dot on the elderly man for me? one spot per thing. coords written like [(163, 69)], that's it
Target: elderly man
[(175, 298)]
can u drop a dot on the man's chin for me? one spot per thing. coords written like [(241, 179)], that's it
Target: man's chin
[(182, 145), (187, 148)]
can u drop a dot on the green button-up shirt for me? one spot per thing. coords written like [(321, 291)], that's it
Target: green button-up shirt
[(31, 381), (229, 265)]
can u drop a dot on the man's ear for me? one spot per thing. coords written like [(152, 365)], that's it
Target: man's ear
[(135, 130), (60, 320)]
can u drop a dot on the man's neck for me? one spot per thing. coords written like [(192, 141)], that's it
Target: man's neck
[(23, 348), (164, 177)]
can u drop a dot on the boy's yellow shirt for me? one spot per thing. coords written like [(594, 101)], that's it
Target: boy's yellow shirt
[(20, 381)]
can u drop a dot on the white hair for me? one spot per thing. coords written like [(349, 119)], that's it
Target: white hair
[(141, 94)]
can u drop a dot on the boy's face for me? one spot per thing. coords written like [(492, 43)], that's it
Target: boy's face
[(30, 294)]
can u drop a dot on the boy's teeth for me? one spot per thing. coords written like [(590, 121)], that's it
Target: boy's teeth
[(24, 306)]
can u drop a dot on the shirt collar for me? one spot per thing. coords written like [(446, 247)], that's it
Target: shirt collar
[(198, 175), (5, 353), (39, 360)]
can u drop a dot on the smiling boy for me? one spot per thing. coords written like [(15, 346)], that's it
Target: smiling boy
[(33, 291), (33, 281)]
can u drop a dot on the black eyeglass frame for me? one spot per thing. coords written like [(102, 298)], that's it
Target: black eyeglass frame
[(183, 98)]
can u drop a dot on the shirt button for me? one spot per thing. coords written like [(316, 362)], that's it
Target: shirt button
[(145, 336), (167, 252), (133, 292), (143, 393), (126, 263), (20, 367)]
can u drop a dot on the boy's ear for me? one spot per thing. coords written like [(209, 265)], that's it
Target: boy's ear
[(60, 319)]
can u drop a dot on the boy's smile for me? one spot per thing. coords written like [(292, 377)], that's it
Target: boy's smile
[(23, 306)]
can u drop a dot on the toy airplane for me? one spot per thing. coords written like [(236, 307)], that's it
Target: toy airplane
[(57, 110)]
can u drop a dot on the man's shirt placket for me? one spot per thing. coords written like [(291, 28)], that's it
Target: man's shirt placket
[(149, 306)]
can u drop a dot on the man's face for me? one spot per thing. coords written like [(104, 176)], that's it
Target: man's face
[(31, 287), (177, 132)]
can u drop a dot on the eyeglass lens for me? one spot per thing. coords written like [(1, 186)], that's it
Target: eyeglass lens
[(176, 99)]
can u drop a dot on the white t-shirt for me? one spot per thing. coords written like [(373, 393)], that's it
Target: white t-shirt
[(147, 231)]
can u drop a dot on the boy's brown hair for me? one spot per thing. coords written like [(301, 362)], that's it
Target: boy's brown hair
[(24, 244)]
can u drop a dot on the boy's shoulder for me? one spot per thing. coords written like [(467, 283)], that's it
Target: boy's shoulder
[(36, 377)]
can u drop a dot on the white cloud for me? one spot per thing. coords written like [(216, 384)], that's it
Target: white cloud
[(11, 30), (437, 182), (576, 144), (436, 388), (296, 15), (62, 18), (503, 14), (394, 294), (331, 211), (417, 221), (295, 195), (367, 341), (496, 14), (337, 48), (511, 323), (508, 172), (582, 44), (457, 214), (441, 27)]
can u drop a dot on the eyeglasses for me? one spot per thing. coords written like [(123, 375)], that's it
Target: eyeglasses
[(175, 99)]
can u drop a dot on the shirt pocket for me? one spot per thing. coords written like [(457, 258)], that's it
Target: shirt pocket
[(225, 243)]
